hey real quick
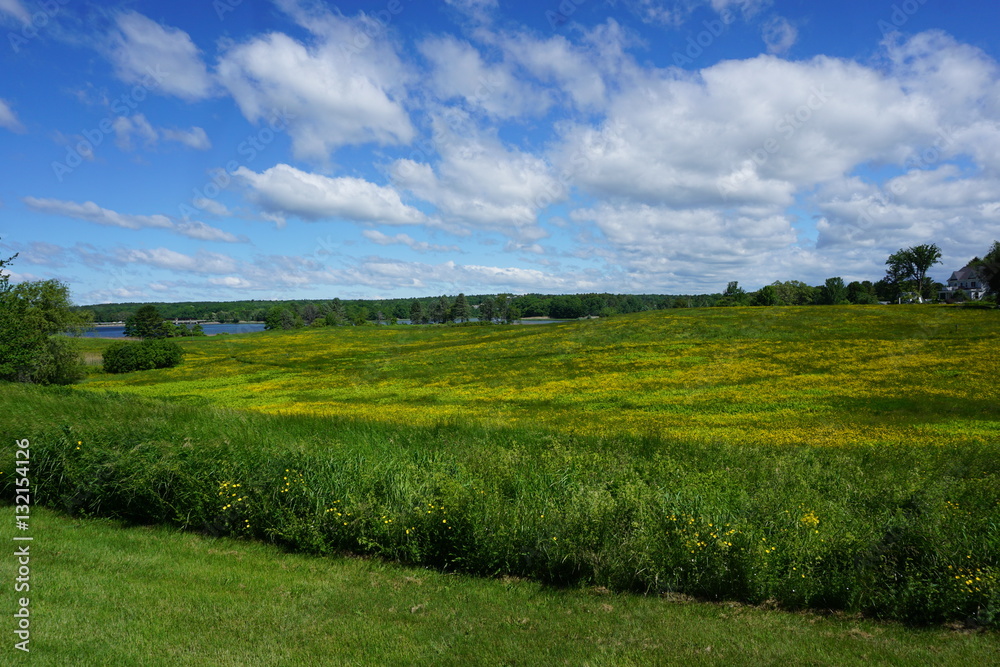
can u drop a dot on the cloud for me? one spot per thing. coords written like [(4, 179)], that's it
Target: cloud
[(16, 9), (211, 206), (232, 282), (8, 118), (458, 71), (478, 10), (194, 138), (745, 133), (378, 237), (136, 126), (126, 128), (336, 93), (163, 258), (140, 46), (960, 211), (779, 35), (91, 212), (285, 190), (479, 183)]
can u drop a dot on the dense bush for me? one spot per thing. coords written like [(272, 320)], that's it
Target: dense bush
[(122, 357)]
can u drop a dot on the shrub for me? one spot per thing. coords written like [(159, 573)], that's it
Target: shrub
[(122, 357)]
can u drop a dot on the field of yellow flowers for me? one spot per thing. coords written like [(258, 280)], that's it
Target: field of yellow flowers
[(838, 458), (819, 376)]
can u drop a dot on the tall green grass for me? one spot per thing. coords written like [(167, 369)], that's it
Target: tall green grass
[(907, 533)]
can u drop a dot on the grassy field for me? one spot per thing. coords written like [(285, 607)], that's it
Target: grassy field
[(107, 595), (777, 376), (824, 458)]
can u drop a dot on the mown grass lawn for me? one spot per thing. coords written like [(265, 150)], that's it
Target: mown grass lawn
[(106, 595)]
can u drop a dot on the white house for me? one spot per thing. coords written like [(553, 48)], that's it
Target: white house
[(964, 279)]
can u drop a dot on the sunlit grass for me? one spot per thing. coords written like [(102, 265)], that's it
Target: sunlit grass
[(106, 595), (842, 458), (823, 376)]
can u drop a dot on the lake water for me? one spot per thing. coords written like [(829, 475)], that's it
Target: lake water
[(210, 329), (118, 331)]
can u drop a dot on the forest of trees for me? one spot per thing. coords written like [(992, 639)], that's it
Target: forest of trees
[(906, 275)]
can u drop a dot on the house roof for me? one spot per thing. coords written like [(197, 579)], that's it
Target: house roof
[(964, 273)]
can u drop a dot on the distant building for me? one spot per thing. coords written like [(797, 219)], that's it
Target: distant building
[(964, 279)]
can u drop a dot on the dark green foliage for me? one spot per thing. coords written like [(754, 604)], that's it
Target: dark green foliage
[(765, 296), (487, 310), (988, 268), (908, 268), (567, 307), (148, 323), (440, 310), (833, 292), (734, 296), (125, 357), (282, 318), (861, 292), (459, 309), (417, 312), (31, 314)]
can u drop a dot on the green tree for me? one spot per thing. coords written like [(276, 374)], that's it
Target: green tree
[(147, 323), (279, 317), (833, 292), (440, 309), (861, 292), (909, 266), (32, 314), (988, 268), (794, 293), (487, 309), (765, 296), (416, 312), (734, 295), (460, 309)]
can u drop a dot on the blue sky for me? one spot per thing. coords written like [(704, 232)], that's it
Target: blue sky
[(172, 151)]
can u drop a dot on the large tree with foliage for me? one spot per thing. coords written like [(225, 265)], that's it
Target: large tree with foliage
[(833, 292), (908, 267), (861, 292), (147, 323), (460, 309), (417, 312), (734, 295), (765, 296), (31, 314), (487, 310), (988, 269)]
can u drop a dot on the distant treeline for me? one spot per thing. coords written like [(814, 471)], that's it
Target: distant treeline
[(437, 308), (501, 307)]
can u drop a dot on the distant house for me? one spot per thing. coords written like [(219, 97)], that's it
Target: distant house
[(964, 279)]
